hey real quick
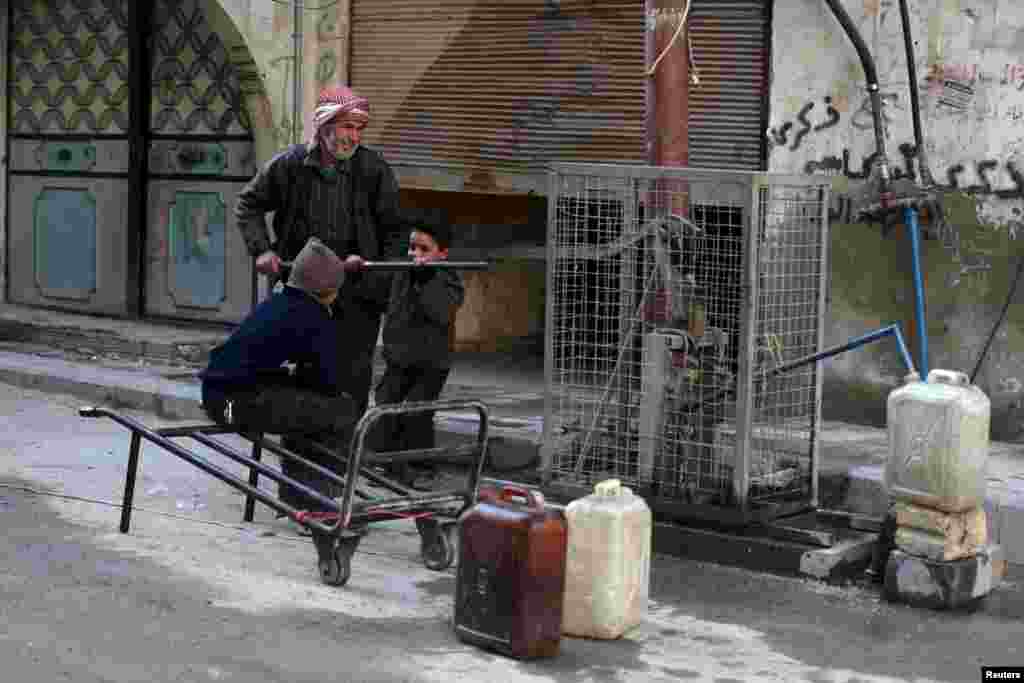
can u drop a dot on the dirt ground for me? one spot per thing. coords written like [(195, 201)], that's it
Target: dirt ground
[(191, 594)]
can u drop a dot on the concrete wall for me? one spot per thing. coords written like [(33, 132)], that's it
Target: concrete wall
[(970, 67), (266, 27)]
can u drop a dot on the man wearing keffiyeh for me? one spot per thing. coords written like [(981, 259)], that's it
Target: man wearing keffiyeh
[(345, 194)]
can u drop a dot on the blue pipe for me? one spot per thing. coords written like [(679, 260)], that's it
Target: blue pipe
[(910, 220), (893, 330)]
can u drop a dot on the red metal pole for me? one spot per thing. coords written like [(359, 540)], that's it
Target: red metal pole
[(668, 90)]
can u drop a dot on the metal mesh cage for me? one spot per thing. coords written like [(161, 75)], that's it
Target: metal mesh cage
[(672, 294)]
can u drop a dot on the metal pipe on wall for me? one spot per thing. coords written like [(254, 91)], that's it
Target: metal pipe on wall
[(910, 220), (874, 94), (297, 37), (915, 106)]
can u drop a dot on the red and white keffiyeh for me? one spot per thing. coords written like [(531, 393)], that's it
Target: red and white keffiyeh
[(337, 101)]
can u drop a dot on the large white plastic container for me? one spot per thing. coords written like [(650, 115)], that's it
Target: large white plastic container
[(608, 562), (938, 442)]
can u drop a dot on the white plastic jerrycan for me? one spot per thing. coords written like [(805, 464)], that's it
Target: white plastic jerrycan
[(938, 442), (608, 562)]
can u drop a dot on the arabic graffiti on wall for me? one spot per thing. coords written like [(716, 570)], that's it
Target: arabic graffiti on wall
[(984, 168), (780, 135)]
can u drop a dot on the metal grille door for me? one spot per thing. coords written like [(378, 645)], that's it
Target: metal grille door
[(671, 295), (112, 163), (201, 153), (69, 159)]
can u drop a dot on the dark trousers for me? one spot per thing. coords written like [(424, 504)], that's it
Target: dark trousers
[(358, 326), (414, 431), (284, 407)]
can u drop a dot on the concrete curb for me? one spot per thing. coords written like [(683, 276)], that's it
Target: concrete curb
[(514, 442), (190, 346), (118, 388)]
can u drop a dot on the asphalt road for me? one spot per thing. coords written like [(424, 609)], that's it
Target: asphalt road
[(191, 594)]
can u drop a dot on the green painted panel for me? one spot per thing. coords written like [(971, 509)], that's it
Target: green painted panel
[(64, 235), (207, 159), (196, 259), (67, 156)]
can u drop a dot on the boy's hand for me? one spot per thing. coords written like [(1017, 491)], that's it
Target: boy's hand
[(353, 263), (422, 275), (420, 259), (268, 263)]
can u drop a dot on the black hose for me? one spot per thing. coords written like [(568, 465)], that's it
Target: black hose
[(915, 104), (999, 321), (871, 75)]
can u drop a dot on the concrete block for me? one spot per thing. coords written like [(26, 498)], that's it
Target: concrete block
[(1006, 518), (942, 585), (935, 547), (937, 535), (843, 560), (937, 521)]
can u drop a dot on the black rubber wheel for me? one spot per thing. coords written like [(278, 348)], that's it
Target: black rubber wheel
[(438, 551), (337, 570)]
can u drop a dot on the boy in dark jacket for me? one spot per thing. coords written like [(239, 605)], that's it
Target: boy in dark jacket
[(246, 387), (417, 332)]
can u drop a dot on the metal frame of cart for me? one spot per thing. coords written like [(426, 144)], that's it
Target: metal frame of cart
[(336, 534)]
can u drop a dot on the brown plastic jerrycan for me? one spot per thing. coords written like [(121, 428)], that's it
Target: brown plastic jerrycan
[(510, 581)]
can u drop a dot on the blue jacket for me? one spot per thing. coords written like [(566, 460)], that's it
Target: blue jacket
[(289, 326)]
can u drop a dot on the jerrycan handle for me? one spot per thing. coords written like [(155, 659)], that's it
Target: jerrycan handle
[(534, 499), (953, 377), (609, 487)]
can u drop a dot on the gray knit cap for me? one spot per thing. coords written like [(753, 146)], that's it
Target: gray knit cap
[(316, 268)]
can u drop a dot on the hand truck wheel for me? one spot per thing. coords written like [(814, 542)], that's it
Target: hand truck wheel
[(436, 546), (336, 570)]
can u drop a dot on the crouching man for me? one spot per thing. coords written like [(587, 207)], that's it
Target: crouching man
[(247, 387)]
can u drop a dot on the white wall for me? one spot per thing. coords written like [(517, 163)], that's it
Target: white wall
[(970, 67)]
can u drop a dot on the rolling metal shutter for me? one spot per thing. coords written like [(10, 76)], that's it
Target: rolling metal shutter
[(484, 94), (480, 95), (728, 109)]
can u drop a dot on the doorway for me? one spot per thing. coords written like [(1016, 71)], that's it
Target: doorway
[(127, 145)]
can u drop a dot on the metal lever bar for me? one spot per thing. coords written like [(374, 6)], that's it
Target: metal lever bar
[(439, 265), (391, 266)]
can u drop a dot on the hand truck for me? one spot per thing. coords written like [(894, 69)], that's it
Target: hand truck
[(336, 534)]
